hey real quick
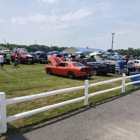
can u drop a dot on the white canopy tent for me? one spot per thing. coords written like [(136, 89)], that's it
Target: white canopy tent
[(95, 53)]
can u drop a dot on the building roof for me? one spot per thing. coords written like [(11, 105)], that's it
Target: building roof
[(86, 49), (3, 48)]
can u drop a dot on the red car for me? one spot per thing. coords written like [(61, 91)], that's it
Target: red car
[(23, 56), (68, 68)]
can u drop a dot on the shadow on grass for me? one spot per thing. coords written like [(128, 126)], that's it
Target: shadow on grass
[(83, 78)]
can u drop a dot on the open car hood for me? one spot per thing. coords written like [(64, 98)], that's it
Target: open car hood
[(98, 59), (55, 60)]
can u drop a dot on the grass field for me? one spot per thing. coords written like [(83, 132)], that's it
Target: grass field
[(32, 79)]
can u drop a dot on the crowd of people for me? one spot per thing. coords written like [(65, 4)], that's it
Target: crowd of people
[(6, 58)]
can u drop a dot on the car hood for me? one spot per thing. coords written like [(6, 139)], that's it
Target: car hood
[(98, 59), (55, 60)]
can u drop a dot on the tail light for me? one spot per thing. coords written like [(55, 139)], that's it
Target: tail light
[(83, 70), (91, 68), (88, 70)]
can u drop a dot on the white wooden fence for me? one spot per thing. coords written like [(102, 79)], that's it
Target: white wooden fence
[(4, 102)]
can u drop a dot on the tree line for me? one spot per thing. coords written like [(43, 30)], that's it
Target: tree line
[(129, 51), (35, 47)]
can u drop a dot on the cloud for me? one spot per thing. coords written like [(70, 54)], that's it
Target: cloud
[(19, 20), (37, 18), (54, 18), (47, 1), (2, 21), (60, 21), (81, 13), (131, 23)]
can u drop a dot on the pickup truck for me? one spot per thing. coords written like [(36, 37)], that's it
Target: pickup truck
[(23, 56)]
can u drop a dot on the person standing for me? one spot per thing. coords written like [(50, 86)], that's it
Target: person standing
[(16, 62), (122, 64), (8, 58), (1, 61)]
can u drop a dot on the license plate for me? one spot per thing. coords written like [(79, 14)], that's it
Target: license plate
[(29, 59)]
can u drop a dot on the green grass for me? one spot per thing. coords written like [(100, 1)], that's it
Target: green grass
[(32, 79)]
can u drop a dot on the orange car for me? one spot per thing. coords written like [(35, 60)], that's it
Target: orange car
[(68, 68)]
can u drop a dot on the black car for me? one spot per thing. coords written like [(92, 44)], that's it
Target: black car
[(110, 68), (43, 58), (98, 67), (36, 56)]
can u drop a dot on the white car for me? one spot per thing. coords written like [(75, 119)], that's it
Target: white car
[(137, 63)]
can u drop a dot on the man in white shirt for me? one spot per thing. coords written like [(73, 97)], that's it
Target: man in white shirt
[(1, 61)]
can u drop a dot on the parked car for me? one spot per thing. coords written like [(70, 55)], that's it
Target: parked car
[(43, 58), (110, 65), (99, 68), (23, 56), (78, 58), (68, 68), (35, 57), (137, 64)]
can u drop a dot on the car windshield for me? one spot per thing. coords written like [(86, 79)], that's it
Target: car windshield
[(90, 60), (24, 53), (78, 64), (96, 63)]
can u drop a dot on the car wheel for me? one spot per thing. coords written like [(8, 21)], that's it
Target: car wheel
[(116, 72), (95, 72), (49, 71), (32, 62), (104, 73), (21, 61), (71, 75)]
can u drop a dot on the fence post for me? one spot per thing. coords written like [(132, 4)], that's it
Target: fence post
[(123, 83), (3, 122), (86, 92)]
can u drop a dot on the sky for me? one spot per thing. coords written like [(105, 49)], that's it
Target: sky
[(71, 23)]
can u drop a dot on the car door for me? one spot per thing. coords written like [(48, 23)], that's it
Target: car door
[(62, 69)]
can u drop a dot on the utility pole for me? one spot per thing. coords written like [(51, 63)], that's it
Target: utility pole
[(5, 41), (112, 40)]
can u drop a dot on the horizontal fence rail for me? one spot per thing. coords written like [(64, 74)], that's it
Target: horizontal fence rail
[(41, 95), (4, 102)]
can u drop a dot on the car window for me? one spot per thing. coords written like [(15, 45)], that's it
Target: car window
[(92, 60), (43, 56), (136, 61), (62, 64), (66, 64), (78, 64)]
